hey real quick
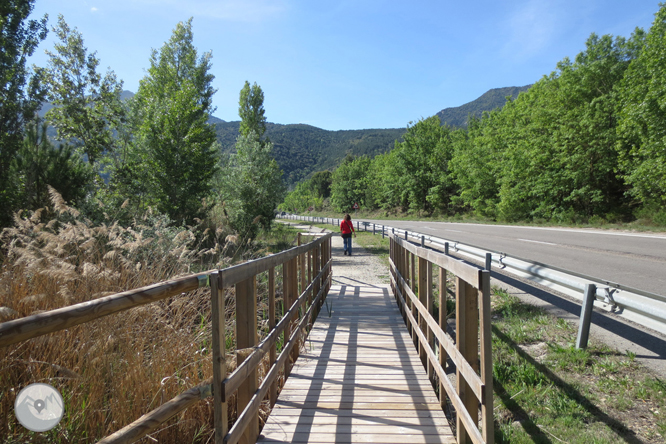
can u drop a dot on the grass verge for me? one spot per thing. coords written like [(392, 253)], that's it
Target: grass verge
[(548, 391)]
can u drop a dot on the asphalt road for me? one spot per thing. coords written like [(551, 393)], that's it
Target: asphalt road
[(632, 259)]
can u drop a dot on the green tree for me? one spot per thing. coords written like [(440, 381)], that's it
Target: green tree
[(320, 184), (350, 184), (423, 159), (559, 160), (251, 110), (251, 183), (174, 156), (39, 164), (20, 92), (252, 186), (642, 125), (87, 106)]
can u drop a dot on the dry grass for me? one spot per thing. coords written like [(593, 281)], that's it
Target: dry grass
[(112, 370)]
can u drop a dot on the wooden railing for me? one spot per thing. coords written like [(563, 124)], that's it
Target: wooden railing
[(312, 261), (412, 285)]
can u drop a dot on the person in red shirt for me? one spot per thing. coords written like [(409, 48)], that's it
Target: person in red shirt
[(347, 229)]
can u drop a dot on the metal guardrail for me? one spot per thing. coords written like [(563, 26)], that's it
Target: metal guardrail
[(645, 308)]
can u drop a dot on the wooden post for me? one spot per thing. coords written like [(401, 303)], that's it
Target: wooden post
[(272, 393), (467, 327), (220, 417), (413, 284), (442, 324), (291, 294), (423, 298), (301, 270), (430, 306), (246, 337), (316, 269), (486, 358)]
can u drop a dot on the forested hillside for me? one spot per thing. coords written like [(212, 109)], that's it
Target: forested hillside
[(489, 101), (303, 149), (584, 143)]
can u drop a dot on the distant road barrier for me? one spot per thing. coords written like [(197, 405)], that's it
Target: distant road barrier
[(645, 308)]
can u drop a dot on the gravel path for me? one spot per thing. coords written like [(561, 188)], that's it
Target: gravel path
[(362, 268)]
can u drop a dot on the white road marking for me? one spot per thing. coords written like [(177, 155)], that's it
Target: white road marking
[(569, 230), (455, 231), (537, 242)]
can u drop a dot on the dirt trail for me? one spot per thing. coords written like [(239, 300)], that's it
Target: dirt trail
[(362, 268)]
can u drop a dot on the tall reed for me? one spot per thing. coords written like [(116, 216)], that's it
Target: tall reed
[(112, 370)]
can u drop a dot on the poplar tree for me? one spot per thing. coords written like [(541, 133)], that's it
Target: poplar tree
[(175, 157)]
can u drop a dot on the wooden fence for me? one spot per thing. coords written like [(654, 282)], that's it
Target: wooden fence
[(312, 261), (412, 285)]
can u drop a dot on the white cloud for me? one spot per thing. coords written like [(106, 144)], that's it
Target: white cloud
[(94, 9)]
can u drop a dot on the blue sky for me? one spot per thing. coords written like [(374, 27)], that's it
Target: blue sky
[(351, 64)]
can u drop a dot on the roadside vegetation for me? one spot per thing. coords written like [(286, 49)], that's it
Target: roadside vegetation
[(113, 370), (582, 146), (548, 391)]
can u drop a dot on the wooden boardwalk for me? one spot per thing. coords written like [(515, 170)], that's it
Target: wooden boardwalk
[(360, 379)]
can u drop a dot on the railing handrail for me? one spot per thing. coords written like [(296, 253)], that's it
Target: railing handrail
[(29, 327), (638, 305), (467, 346)]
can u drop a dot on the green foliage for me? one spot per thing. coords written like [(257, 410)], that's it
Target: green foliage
[(302, 150), (20, 92), (423, 158), (251, 110), (251, 186), (39, 164), (559, 161), (310, 193), (350, 184), (643, 118), (174, 157), (86, 106)]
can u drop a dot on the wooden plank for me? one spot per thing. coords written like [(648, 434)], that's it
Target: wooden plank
[(353, 438), (359, 367)]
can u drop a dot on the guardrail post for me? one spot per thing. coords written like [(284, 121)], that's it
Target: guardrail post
[(406, 235), (219, 361), (373, 229), (383, 231), (423, 241), (489, 261), (586, 315), (446, 248), (246, 337)]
